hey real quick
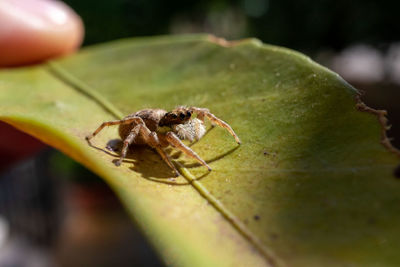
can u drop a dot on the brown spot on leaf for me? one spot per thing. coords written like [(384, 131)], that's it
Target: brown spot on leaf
[(225, 43), (371, 221), (273, 236), (220, 41)]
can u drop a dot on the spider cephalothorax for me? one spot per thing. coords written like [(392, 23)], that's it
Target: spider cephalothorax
[(159, 129), (179, 115)]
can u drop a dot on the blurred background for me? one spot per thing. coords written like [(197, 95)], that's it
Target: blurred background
[(56, 213)]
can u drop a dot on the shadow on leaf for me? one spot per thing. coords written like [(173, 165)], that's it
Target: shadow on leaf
[(147, 162)]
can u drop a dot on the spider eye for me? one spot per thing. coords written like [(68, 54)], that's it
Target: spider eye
[(181, 116), (188, 114), (173, 115)]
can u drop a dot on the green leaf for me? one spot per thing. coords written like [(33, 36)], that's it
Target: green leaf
[(311, 185)]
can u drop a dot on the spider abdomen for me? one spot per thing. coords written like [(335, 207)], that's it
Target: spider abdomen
[(151, 118)]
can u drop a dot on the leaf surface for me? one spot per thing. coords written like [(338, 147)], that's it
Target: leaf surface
[(311, 185)]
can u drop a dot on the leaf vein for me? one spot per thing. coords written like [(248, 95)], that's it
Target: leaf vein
[(63, 75), (58, 72)]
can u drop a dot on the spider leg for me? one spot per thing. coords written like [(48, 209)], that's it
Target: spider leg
[(152, 140), (117, 122), (174, 141), (128, 140), (203, 112), (167, 159)]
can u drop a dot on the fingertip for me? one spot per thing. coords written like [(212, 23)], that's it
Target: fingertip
[(36, 30)]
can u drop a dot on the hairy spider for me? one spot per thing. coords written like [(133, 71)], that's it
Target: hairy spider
[(159, 129)]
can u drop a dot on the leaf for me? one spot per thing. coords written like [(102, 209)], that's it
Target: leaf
[(311, 185)]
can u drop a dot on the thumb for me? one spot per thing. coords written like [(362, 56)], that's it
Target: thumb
[(35, 30)]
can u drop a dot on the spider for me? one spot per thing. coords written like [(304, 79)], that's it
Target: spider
[(158, 129)]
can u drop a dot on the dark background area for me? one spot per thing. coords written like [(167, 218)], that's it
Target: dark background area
[(302, 25), (57, 213)]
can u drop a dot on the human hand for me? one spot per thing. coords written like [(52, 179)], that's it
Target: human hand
[(32, 31)]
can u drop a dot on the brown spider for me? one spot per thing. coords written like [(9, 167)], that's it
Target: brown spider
[(159, 129)]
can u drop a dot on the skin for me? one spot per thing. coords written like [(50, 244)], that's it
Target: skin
[(32, 31)]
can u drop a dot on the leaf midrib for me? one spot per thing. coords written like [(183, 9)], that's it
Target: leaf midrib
[(61, 74)]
